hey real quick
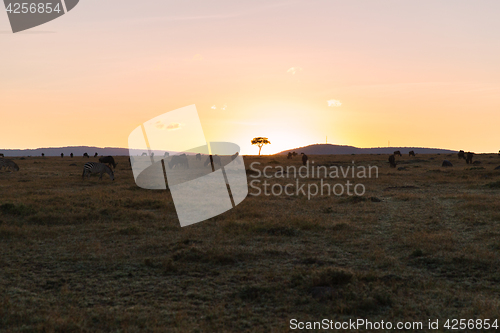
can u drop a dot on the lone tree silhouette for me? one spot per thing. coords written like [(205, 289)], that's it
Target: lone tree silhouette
[(260, 141)]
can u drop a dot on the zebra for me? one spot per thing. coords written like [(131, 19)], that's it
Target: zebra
[(8, 164), (93, 167)]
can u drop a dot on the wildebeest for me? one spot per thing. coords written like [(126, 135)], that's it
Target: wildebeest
[(198, 157), (1, 155), (43, 155), (93, 167), (294, 154), (397, 152), (215, 159), (95, 155), (233, 157), (289, 156), (109, 160), (86, 155), (468, 158), (461, 154), (392, 161), (411, 153), (71, 155), (62, 155), (8, 164), (144, 154), (178, 160), (166, 154), (304, 158), (446, 163)]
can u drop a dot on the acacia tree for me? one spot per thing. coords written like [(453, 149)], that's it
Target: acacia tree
[(260, 141)]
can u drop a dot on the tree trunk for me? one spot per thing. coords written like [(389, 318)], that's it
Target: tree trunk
[(260, 147)]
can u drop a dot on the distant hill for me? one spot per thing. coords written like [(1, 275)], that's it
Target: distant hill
[(77, 151), (329, 149)]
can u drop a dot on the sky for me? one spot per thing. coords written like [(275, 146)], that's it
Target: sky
[(362, 73)]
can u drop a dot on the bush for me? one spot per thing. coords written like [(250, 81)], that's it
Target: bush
[(20, 210)]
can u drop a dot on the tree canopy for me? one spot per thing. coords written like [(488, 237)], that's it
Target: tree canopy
[(260, 141)]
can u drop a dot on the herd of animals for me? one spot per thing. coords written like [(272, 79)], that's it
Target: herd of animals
[(107, 163), (467, 156)]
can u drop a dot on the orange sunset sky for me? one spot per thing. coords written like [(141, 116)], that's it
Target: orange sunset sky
[(417, 73)]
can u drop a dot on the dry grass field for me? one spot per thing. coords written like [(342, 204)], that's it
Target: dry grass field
[(422, 243)]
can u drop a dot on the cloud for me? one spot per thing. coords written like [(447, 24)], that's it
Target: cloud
[(159, 124), (334, 103), (294, 70), (213, 107), (224, 107), (171, 127)]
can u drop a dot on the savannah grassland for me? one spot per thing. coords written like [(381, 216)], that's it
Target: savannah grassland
[(422, 243)]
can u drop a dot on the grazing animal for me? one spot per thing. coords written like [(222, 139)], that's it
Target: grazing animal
[(95, 155), (468, 158), (152, 154), (294, 154), (215, 159), (446, 163), (198, 157), (109, 160), (392, 161), (1, 155), (397, 152), (93, 167), (62, 155), (233, 157), (289, 156), (411, 153), (43, 155), (86, 155), (461, 154), (178, 160), (304, 158), (71, 155), (144, 154), (166, 154), (8, 164)]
